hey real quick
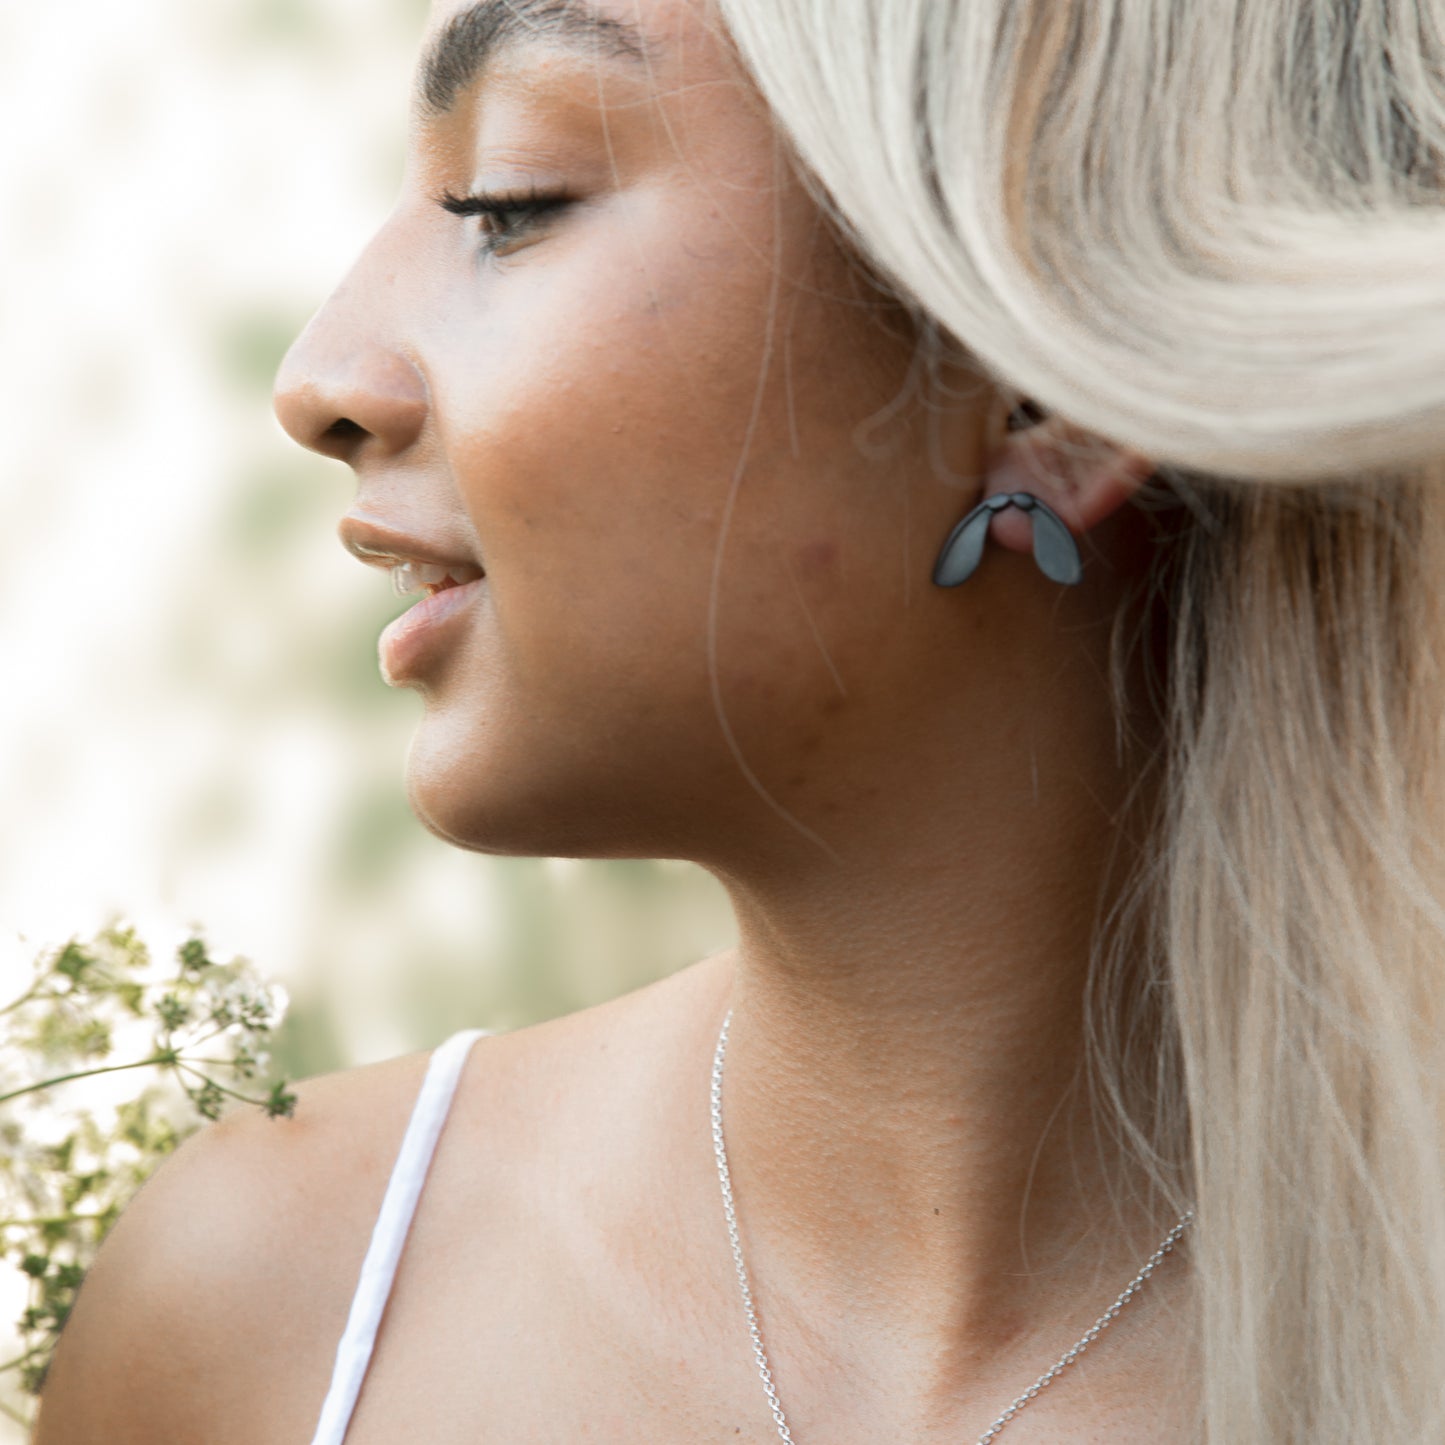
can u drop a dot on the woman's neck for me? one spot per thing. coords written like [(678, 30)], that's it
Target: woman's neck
[(913, 1142)]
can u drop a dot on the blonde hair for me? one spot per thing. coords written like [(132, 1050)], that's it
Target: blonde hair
[(1214, 231)]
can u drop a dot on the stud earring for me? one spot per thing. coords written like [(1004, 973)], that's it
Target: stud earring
[(1054, 547)]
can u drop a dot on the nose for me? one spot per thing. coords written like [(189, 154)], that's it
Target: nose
[(346, 386)]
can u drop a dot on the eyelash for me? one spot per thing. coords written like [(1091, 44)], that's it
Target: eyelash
[(494, 209)]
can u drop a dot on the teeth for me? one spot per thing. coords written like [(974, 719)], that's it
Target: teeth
[(409, 577)]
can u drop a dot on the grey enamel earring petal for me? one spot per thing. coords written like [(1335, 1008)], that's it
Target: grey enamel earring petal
[(1055, 550), (964, 548)]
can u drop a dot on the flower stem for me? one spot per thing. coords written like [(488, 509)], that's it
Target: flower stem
[(11, 1412), (156, 1061), (186, 1068), (21, 1359)]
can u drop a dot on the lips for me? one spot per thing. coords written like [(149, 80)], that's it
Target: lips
[(379, 545), (452, 579), (410, 644)]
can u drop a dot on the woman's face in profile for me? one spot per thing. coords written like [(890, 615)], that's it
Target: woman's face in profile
[(600, 299)]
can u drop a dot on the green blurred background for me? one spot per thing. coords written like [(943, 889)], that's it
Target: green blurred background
[(194, 732)]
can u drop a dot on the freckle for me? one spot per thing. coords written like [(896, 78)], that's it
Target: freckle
[(811, 743), (832, 704), (797, 780)]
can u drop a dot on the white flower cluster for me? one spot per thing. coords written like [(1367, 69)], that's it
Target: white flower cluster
[(238, 998)]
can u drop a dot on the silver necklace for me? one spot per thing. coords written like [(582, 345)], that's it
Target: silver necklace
[(760, 1354)]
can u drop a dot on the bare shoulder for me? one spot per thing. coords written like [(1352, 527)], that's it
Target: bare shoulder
[(213, 1311), (229, 1277)]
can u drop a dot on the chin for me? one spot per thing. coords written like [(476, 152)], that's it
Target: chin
[(512, 803), (464, 798)]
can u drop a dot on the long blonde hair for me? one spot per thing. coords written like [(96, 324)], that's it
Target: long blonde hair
[(1214, 231)]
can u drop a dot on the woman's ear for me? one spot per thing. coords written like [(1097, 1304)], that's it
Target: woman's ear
[(1079, 475)]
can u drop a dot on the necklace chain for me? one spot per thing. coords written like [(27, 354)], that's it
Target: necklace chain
[(760, 1354)]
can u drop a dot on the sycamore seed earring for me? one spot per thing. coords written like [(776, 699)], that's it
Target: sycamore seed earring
[(1054, 547)]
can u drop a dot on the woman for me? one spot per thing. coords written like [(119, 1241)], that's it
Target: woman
[(966, 474)]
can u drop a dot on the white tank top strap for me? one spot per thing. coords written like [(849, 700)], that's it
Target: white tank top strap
[(388, 1237)]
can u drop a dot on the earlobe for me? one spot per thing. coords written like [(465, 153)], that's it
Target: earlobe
[(1046, 482), (1082, 477)]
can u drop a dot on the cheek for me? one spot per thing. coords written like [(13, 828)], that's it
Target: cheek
[(594, 411)]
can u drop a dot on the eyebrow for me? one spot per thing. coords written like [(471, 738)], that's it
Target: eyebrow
[(474, 37)]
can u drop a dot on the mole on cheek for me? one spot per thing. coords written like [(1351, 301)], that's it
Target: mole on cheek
[(814, 557)]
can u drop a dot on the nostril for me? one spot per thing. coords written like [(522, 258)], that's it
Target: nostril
[(341, 440)]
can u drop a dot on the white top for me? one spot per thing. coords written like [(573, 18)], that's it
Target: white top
[(378, 1270)]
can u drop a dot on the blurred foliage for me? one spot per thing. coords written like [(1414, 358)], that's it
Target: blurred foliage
[(273, 509), (251, 347), (194, 1038)]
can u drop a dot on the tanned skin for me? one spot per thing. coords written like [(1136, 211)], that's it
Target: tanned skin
[(678, 425)]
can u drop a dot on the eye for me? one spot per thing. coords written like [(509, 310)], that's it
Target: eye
[(504, 217)]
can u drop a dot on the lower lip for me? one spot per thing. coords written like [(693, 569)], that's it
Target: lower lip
[(414, 637)]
